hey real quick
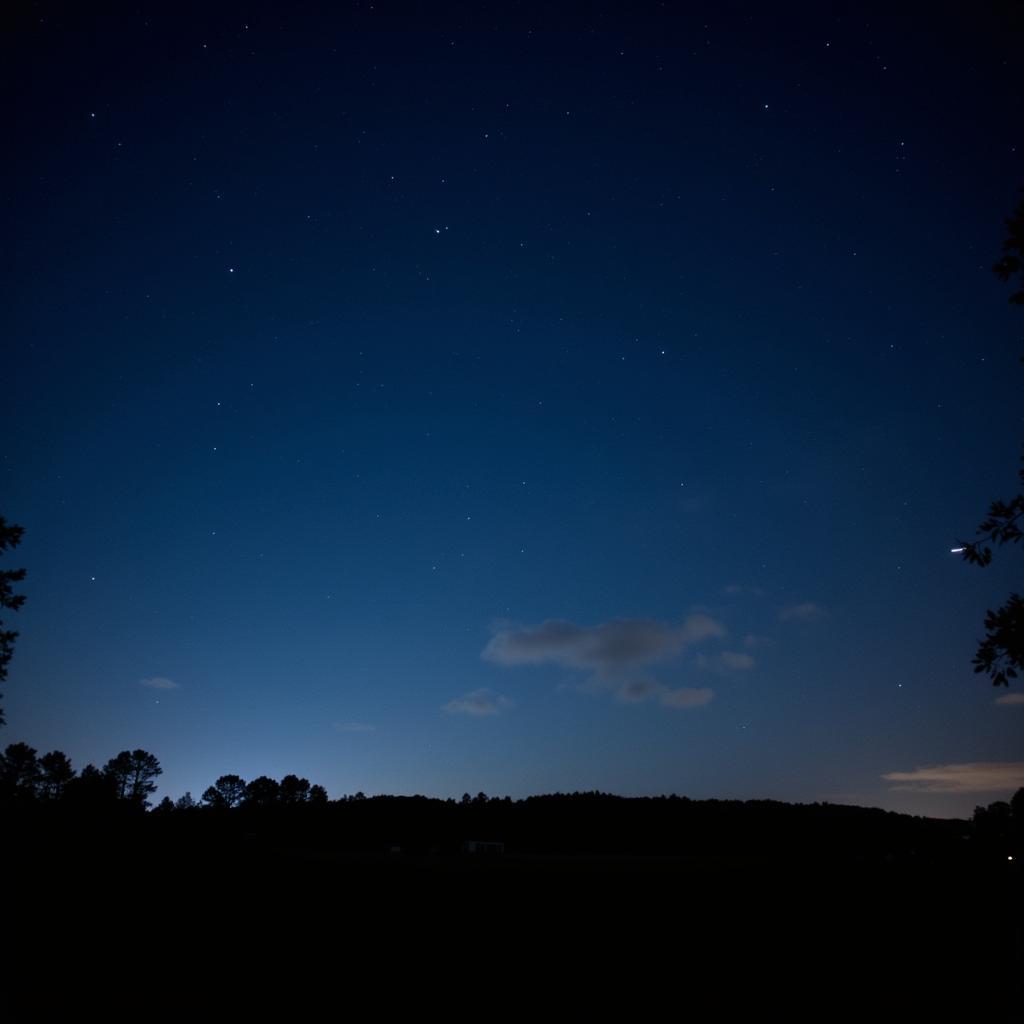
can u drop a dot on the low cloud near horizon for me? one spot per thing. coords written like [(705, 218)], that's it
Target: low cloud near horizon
[(614, 653), (478, 702), (973, 777), (1010, 698), (160, 683)]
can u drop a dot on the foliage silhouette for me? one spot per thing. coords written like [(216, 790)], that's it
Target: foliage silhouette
[(56, 773), (132, 773), (1001, 653), (10, 537), (212, 798), (294, 790), (227, 791), (1001, 824), (262, 792), (19, 772), (90, 790), (1012, 261)]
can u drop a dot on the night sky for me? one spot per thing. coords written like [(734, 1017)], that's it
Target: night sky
[(513, 399)]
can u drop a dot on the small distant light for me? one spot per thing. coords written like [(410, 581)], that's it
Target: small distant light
[(1009, 856), (955, 551)]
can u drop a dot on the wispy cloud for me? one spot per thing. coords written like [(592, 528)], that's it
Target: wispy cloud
[(614, 654), (741, 590), (684, 697), (736, 661), (650, 689), (724, 662), (806, 612), (160, 683), (973, 777), (1010, 698), (478, 703), (353, 727)]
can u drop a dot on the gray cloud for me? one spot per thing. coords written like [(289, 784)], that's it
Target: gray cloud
[(160, 683), (724, 662), (650, 689), (684, 697), (973, 777), (736, 661), (478, 702), (614, 654), (608, 649), (637, 690), (1010, 698), (806, 612)]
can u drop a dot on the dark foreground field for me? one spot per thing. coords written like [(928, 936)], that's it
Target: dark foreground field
[(593, 900), (900, 926)]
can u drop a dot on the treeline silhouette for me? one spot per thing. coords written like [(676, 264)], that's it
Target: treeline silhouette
[(44, 793), (822, 885)]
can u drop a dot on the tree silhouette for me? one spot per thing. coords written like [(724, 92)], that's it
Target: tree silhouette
[(1012, 262), (91, 789), (294, 790), (10, 537), (262, 792), (56, 774), (1002, 823), (1001, 653), (212, 798), (19, 772), (227, 791), (132, 773)]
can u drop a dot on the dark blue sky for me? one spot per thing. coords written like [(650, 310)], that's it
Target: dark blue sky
[(513, 401)]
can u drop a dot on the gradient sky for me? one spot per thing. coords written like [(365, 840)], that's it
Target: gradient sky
[(513, 401)]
